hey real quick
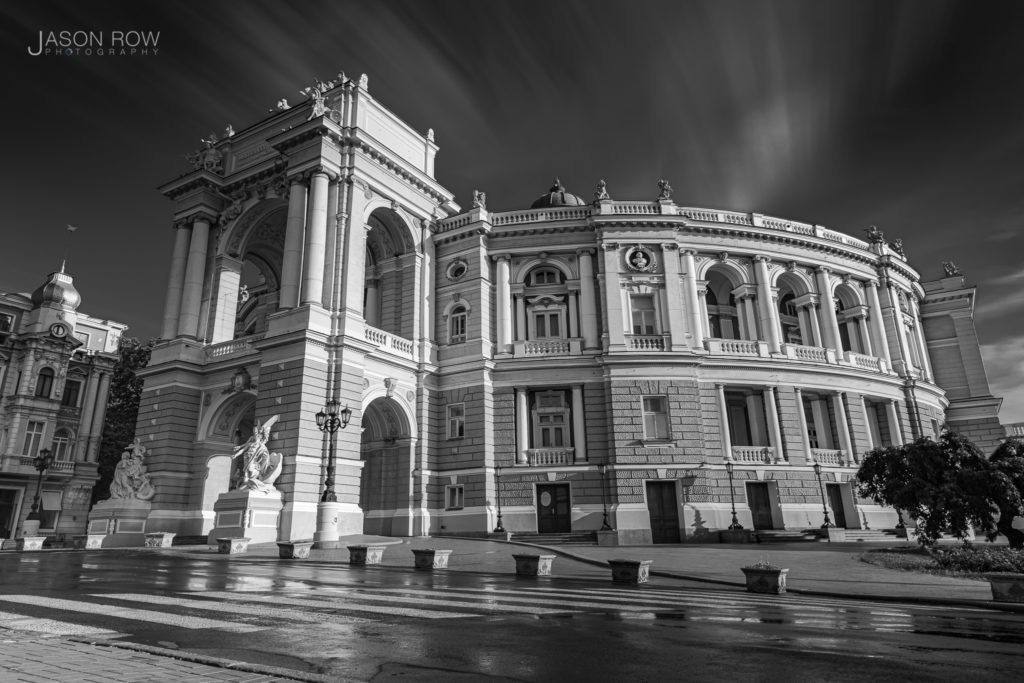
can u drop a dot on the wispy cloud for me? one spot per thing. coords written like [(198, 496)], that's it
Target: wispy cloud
[(1004, 364)]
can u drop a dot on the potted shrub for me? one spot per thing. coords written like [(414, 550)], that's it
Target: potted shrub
[(765, 577)]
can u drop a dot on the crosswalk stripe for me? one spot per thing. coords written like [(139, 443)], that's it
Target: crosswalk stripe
[(118, 612), (343, 606), (19, 622), (269, 610)]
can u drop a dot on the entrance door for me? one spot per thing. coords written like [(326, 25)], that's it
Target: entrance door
[(835, 501), (664, 512), (8, 512), (760, 507), (553, 509)]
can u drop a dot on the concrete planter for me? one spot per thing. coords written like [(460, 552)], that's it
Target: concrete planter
[(294, 550), (630, 571), (160, 539), (232, 546), (765, 580), (1006, 587), (365, 554), (428, 558), (89, 541), (31, 542), (533, 565)]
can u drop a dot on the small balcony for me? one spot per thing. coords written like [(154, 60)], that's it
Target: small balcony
[(829, 456), (550, 456), (737, 347), (761, 455), (233, 347), (389, 343), (546, 348), (647, 342), (24, 465)]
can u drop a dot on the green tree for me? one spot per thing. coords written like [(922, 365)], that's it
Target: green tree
[(1008, 460), (122, 410), (946, 486)]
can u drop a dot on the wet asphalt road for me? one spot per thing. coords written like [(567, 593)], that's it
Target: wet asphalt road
[(379, 623)]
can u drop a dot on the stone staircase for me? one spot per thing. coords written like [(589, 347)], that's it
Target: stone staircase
[(874, 535), (572, 538), (788, 535)]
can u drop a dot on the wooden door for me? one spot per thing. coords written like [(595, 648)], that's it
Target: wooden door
[(760, 506), (664, 511), (553, 509), (834, 493)]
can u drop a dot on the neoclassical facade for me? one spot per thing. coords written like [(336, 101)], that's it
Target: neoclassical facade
[(574, 361), (56, 365)]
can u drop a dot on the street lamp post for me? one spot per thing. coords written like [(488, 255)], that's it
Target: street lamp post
[(821, 490), (735, 526), (329, 420), (605, 526), (42, 463), (500, 529)]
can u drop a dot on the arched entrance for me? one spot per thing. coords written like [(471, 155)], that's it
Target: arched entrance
[(388, 303), (385, 491)]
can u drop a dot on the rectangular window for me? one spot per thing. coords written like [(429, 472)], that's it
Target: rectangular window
[(49, 512), (453, 496), (33, 437), (456, 420), (644, 321), (655, 409), (61, 446), (458, 327), (547, 325), (6, 323), (44, 383), (72, 389), (84, 338)]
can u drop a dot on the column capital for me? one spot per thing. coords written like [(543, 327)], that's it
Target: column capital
[(872, 282), (610, 246), (585, 252), (822, 270), (204, 216), (669, 246), (501, 257), (689, 252), (761, 258)]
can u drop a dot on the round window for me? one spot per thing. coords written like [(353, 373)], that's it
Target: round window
[(457, 270)]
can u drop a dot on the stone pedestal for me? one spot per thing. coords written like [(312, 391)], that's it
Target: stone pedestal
[(365, 554), (630, 571), (326, 535), (243, 513), (232, 546), (533, 565), (294, 550), (89, 541), (160, 539), (30, 527), (428, 558), (31, 542), (1006, 586), (121, 522), (765, 580)]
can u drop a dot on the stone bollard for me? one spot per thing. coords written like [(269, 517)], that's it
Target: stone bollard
[(89, 541), (533, 565), (31, 542), (294, 550), (232, 546), (630, 571), (365, 554), (160, 539), (428, 558)]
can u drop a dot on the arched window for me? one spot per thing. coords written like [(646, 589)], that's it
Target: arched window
[(545, 276), (62, 449), (44, 383), (458, 322)]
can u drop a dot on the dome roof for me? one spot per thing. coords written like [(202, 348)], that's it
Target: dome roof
[(58, 290), (557, 196)]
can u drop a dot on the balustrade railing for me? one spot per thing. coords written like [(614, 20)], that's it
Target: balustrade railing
[(828, 456), (232, 347), (550, 456), (736, 347), (55, 466), (388, 342), (753, 454), (551, 347), (642, 342)]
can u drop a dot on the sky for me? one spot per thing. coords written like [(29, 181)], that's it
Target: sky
[(844, 113)]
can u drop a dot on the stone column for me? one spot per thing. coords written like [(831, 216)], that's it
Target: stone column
[(331, 248), (522, 426), (228, 274), (574, 327), (774, 428), (867, 424), (371, 311), (842, 427), (812, 317), (747, 320), (613, 297), (588, 300), (176, 283), (316, 240), (88, 408), (693, 306), (860, 326), (723, 410), (895, 428), (756, 426), (579, 430), (291, 264), (922, 346), (899, 327), (195, 275), (99, 412), (828, 311), (520, 317), (674, 297), (769, 312), (808, 453), (876, 325), (504, 304)]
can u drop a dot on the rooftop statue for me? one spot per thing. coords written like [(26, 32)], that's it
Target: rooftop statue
[(130, 478), (602, 191), (875, 236), (479, 199), (951, 269), (209, 158), (258, 468), (664, 190)]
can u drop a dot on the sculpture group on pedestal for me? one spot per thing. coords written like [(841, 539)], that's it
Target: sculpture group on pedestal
[(130, 478), (257, 467)]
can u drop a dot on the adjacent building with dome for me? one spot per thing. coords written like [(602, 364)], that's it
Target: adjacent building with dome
[(55, 370), (658, 371)]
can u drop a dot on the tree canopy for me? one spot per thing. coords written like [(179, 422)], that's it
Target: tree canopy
[(949, 486), (122, 410)]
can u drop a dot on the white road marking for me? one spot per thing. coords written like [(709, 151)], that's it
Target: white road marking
[(118, 612), (19, 622), (341, 605)]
